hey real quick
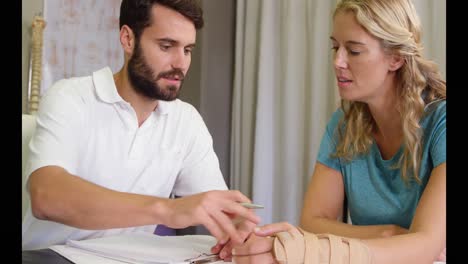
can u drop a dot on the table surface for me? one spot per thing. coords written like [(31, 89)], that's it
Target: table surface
[(46, 256), (43, 256)]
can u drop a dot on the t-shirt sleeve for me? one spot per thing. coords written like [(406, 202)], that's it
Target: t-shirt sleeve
[(200, 170), (328, 143), (58, 126), (438, 151)]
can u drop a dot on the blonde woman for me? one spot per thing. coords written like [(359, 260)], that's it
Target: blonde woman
[(384, 150)]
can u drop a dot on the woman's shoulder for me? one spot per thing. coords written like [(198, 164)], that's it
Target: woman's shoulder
[(336, 116), (434, 118), (436, 110)]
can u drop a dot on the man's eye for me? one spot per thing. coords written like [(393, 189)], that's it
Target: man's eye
[(165, 47), (188, 51)]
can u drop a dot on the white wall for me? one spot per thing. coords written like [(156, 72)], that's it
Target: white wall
[(433, 15)]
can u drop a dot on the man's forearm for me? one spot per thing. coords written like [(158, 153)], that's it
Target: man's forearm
[(59, 196)]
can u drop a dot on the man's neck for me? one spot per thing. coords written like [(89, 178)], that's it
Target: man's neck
[(143, 106)]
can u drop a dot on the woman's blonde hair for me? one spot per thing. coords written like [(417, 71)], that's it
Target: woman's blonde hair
[(396, 25)]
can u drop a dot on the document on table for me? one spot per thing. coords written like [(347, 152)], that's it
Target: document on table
[(137, 248)]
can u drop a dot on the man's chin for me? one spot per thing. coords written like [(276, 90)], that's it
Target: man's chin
[(172, 93), (168, 97), (165, 99), (166, 93)]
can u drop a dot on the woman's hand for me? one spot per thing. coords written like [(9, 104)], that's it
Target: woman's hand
[(393, 230), (271, 229), (253, 246), (255, 250), (442, 256), (265, 258)]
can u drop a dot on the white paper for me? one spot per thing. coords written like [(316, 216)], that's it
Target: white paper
[(80, 256), (136, 248)]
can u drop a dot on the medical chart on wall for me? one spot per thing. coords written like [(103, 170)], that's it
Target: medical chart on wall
[(81, 36)]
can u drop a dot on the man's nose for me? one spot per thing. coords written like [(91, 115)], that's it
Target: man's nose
[(181, 60)]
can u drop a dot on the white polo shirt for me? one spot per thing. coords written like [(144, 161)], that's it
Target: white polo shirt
[(84, 126)]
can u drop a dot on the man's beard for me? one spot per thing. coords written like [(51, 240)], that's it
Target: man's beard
[(141, 77)]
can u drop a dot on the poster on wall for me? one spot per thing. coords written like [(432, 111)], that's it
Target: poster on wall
[(80, 37)]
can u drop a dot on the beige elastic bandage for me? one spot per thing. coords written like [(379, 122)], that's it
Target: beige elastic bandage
[(301, 247)]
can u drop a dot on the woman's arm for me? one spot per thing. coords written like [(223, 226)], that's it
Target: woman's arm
[(323, 204), (423, 243), (427, 233)]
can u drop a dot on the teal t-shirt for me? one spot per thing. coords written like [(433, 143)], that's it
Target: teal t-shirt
[(375, 191)]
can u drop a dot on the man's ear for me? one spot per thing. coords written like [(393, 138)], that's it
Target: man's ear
[(396, 61), (127, 39)]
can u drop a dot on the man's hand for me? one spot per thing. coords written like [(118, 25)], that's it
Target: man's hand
[(244, 229), (214, 210)]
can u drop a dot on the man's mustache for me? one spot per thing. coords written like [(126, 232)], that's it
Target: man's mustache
[(175, 72)]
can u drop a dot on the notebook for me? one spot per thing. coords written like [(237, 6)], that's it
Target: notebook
[(137, 248)]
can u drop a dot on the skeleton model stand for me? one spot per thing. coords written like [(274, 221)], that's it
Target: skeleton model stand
[(38, 26)]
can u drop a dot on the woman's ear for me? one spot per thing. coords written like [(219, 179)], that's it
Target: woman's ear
[(396, 61), (127, 39)]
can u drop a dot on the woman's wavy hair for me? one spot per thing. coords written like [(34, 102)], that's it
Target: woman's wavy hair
[(396, 25)]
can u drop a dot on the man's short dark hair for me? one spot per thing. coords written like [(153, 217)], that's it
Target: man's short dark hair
[(137, 13)]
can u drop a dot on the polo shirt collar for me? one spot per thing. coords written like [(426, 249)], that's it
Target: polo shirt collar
[(164, 107), (107, 91), (105, 86)]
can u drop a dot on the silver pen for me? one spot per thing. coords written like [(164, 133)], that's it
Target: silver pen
[(206, 259), (252, 206)]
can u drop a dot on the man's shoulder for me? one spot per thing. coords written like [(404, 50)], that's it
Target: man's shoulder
[(180, 112), (70, 86), (69, 93), (183, 108)]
